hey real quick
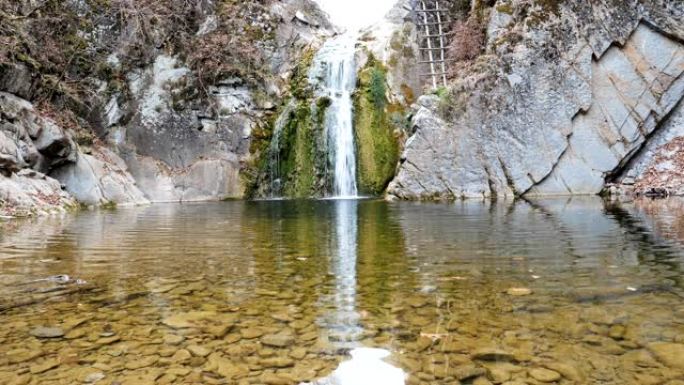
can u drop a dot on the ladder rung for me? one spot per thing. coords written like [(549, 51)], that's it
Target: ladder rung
[(436, 61), (432, 36), (435, 74), (431, 10), (427, 24)]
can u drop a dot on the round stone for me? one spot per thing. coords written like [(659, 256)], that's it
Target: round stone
[(545, 375)]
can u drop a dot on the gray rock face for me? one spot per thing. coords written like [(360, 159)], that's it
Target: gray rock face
[(100, 178), (16, 79), (182, 146), (393, 40), (555, 112), (167, 135)]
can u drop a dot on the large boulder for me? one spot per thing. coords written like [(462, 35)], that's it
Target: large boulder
[(28, 193), (41, 144), (10, 159), (100, 178)]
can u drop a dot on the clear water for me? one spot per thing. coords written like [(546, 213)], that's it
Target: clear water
[(280, 292), (335, 64)]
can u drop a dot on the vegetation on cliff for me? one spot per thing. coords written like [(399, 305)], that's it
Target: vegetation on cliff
[(377, 126), (289, 160), (70, 48)]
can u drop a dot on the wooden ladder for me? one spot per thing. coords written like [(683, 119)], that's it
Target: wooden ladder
[(432, 19)]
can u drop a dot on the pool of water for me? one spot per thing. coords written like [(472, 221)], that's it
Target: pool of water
[(564, 291)]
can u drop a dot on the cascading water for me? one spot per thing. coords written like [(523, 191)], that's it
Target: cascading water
[(275, 180), (335, 70)]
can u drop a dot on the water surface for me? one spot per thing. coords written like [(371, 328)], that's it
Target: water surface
[(561, 291)]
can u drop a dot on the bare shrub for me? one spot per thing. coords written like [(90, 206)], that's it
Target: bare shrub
[(467, 41)]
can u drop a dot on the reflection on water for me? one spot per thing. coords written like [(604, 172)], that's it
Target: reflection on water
[(344, 324), (560, 291), (366, 367)]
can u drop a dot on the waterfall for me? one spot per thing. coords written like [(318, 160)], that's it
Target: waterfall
[(334, 70)]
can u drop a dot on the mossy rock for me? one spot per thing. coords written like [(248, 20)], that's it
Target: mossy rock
[(377, 143), (302, 160)]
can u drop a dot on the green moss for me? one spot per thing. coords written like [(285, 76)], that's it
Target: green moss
[(505, 8), (108, 205), (552, 6), (375, 124), (26, 59), (299, 82), (298, 160), (297, 153)]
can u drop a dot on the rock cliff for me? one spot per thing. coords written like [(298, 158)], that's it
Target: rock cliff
[(564, 98), (132, 102)]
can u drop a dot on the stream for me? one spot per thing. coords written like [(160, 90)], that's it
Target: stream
[(566, 291)]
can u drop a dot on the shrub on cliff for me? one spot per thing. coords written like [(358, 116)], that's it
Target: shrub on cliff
[(68, 45)]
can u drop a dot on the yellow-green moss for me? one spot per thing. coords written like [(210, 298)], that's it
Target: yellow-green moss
[(298, 155), (376, 142), (299, 161), (505, 8)]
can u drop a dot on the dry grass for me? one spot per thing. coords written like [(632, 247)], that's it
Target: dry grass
[(467, 43), (66, 44)]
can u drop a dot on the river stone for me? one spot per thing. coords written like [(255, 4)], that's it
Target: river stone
[(280, 340), (108, 340), (75, 334), (466, 372), (544, 375), (133, 364), (181, 355), (94, 377), (482, 381), (277, 362), (225, 367), (670, 354), (566, 370), (47, 332), (199, 351), (304, 371), (173, 339), (276, 379), (519, 291), (22, 355), (495, 355), (44, 366), (499, 374), (300, 324), (417, 302), (298, 353), (188, 320), (282, 316), (251, 333), (218, 331)]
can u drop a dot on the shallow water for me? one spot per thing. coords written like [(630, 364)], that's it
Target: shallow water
[(560, 291)]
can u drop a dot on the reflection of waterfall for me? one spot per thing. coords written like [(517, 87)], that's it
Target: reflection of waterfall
[(344, 319), (335, 66)]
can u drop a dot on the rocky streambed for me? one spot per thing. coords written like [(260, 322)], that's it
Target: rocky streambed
[(271, 294)]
